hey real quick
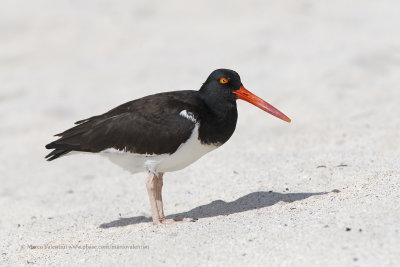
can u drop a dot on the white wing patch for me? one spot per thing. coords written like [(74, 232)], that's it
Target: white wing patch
[(188, 115)]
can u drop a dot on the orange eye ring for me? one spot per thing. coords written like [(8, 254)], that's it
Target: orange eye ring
[(223, 80)]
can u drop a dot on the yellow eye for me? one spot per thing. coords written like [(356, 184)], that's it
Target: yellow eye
[(223, 80)]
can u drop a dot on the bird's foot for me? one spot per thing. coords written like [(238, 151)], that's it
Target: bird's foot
[(174, 220)]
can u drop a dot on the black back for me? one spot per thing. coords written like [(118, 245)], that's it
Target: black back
[(153, 124)]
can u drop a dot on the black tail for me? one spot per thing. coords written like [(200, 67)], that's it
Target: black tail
[(59, 149), (56, 153), (69, 140)]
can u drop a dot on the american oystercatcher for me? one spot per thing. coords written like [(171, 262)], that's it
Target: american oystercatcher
[(164, 132)]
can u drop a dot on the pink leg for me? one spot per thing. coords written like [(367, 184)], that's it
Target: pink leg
[(154, 185)]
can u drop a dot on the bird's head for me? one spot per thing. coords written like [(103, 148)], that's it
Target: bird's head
[(227, 83)]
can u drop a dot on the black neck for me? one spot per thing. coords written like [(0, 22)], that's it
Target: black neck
[(219, 123)]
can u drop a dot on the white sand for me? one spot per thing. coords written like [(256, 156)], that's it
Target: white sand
[(332, 66)]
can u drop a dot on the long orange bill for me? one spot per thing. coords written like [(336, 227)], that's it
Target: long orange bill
[(248, 96)]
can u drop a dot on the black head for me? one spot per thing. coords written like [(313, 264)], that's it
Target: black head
[(223, 87), (222, 83)]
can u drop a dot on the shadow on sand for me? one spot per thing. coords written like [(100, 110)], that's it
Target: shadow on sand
[(256, 200)]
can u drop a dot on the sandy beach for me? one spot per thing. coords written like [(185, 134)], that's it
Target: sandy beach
[(321, 191)]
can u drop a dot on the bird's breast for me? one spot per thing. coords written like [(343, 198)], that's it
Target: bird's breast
[(187, 153), (218, 129)]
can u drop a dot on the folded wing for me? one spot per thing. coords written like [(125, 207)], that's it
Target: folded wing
[(150, 125)]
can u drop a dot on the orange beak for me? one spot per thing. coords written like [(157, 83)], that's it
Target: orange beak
[(248, 96)]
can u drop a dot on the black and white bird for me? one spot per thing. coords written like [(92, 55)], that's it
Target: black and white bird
[(164, 132)]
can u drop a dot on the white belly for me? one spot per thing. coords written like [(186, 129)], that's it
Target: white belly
[(186, 154)]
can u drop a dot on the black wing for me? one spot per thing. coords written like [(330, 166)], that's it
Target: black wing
[(149, 125)]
